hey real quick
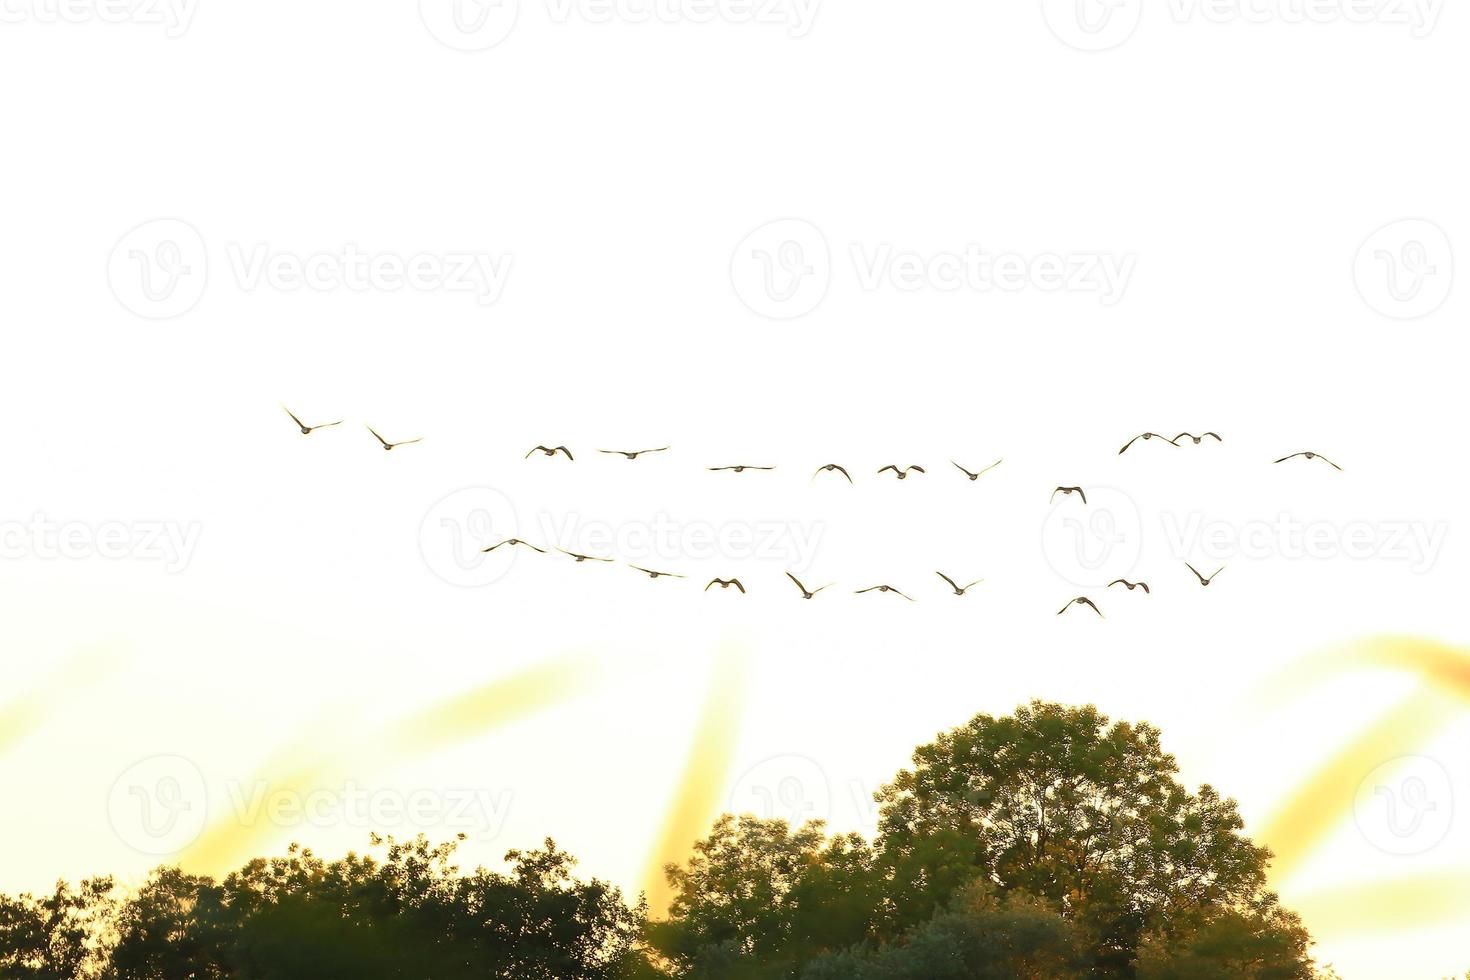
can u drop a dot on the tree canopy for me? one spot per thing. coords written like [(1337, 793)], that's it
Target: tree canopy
[(1047, 844)]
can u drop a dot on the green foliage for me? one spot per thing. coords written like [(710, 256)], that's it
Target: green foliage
[(981, 937), (1046, 845)]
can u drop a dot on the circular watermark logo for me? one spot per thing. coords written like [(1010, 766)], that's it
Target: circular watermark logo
[(1092, 25), (782, 269), (159, 269), (1093, 543), (469, 25), (1405, 270), (159, 805), (790, 787), (457, 529), (1405, 806)]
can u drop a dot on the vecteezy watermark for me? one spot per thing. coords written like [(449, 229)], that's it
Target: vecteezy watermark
[(170, 543), (663, 538), (174, 16), (1421, 17), (1405, 270), (1099, 25), (159, 805), (793, 788), (975, 269), (469, 25), (1093, 543), (1405, 806), (1415, 543), (1092, 25), (796, 16), (160, 270), (478, 813), (479, 273), (783, 269), (457, 529), (478, 25)]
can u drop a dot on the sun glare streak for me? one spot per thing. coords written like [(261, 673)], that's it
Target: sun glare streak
[(1408, 903), (696, 801), (24, 714), (1325, 799), (446, 723)]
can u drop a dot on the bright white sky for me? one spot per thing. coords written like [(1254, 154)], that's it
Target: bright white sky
[(1238, 166)]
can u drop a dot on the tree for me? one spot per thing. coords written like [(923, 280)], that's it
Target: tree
[(1270, 944), (981, 937), (56, 936), (1056, 802), (758, 898)]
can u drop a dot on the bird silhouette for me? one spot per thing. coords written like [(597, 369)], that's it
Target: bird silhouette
[(513, 542), (1081, 600), (1197, 438), (1202, 580), (832, 468), (652, 574), (307, 430), (1131, 585), (1146, 437), (738, 469), (390, 446), (725, 584), (635, 453), (805, 593), (902, 474), (1069, 491), (957, 589), (581, 558), (549, 452), (1311, 456), (882, 588), (975, 476)]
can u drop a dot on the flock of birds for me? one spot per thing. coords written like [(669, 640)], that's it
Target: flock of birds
[(900, 472)]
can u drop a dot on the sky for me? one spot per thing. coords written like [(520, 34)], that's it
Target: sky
[(802, 235)]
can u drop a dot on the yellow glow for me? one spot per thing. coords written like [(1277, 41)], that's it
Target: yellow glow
[(448, 722), (1322, 801), (696, 802), (1413, 902)]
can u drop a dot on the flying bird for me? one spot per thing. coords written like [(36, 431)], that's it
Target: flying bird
[(957, 589), (1081, 600), (307, 430), (882, 588), (805, 594), (738, 469), (1197, 438), (548, 452), (513, 542), (1131, 585), (1311, 456), (1146, 437), (1069, 491), (390, 446), (832, 468), (975, 476), (1202, 580), (635, 453), (581, 558), (902, 474), (652, 574), (725, 584)]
